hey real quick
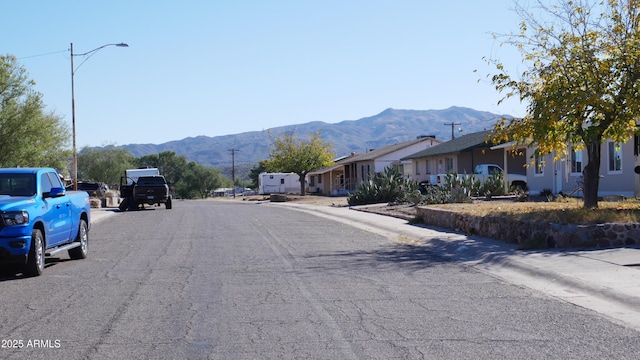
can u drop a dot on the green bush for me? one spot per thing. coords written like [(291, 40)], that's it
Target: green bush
[(435, 195), (388, 186), (391, 186), (460, 188), (493, 185)]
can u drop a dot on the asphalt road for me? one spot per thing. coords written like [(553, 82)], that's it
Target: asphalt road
[(233, 280)]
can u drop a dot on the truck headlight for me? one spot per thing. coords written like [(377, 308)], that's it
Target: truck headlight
[(15, 218)]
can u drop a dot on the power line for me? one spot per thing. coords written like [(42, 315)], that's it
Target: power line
[(45, 54)]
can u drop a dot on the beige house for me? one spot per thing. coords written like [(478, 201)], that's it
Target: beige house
[(617, 175), (328, 181), (348, 172)]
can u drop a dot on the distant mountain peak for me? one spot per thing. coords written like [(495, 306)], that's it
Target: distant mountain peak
[(388, 127)]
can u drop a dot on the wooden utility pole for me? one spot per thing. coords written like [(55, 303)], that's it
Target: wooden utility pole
[(453, 124), (233, 170)]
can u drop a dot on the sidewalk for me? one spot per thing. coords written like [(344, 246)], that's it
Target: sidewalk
[(606, 281), (99, 214)]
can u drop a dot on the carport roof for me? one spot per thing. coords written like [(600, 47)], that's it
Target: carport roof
[(327, 169), (462, 143)]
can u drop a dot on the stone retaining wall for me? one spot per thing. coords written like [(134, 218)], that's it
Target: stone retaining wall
[(550, 235)]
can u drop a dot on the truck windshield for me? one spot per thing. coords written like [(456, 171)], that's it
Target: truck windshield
[(17, 184)]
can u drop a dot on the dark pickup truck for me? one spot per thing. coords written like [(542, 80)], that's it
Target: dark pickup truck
[(151, 190)]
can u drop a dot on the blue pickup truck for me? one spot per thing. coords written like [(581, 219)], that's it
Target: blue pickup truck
[(39, 218)]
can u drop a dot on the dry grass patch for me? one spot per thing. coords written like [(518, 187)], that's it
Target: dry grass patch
[(565, 211)]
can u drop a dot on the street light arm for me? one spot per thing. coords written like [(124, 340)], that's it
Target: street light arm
[(98, 48), (90, 53)]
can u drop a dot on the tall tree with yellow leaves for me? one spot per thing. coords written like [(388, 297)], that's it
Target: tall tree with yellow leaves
[(581, 83)]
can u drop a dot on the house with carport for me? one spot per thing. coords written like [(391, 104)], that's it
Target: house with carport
[(347, 173), (461, 155)]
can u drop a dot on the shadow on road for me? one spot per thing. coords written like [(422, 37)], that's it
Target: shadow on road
[(9, 272), (406, 256)]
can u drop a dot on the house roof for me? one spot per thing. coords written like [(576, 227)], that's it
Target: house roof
[(327, 169), (373, 154), (462, 143)]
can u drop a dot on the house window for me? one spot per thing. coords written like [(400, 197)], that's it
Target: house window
[(417, 168), (448, 165), (576, 161), (615, 157), (319, 179), (366, 172), (539, 163), (312, 180), (426, 169)]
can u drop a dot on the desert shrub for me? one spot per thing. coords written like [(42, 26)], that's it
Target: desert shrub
[(521, 194), (460, 188), (414, 197), (435, 195), (493, 185), (387, 186), (547, 194)]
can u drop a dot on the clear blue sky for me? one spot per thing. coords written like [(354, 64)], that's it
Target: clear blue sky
[(225, 67)]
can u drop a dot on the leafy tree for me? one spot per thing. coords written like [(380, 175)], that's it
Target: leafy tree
[(288, 154), (171, 165), (582, 83), (198, 181), (28, 135), (106, 165), (254, 174)]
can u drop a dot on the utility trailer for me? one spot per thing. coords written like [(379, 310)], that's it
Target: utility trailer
[(278, 183)]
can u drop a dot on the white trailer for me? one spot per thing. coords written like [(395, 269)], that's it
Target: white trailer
[(132, 175), (278, 183)]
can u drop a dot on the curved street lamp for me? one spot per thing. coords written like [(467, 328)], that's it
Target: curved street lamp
[(73, 104)]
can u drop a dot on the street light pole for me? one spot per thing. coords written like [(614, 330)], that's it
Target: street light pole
[(73, 106)]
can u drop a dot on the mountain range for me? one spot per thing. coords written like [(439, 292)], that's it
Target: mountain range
[(350, 136)]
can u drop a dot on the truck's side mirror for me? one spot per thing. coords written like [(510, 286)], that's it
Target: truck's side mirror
[(637, 169), (57, 191)]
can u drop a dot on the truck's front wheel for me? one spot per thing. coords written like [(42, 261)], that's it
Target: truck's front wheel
[(81, 251), (35, 261)]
